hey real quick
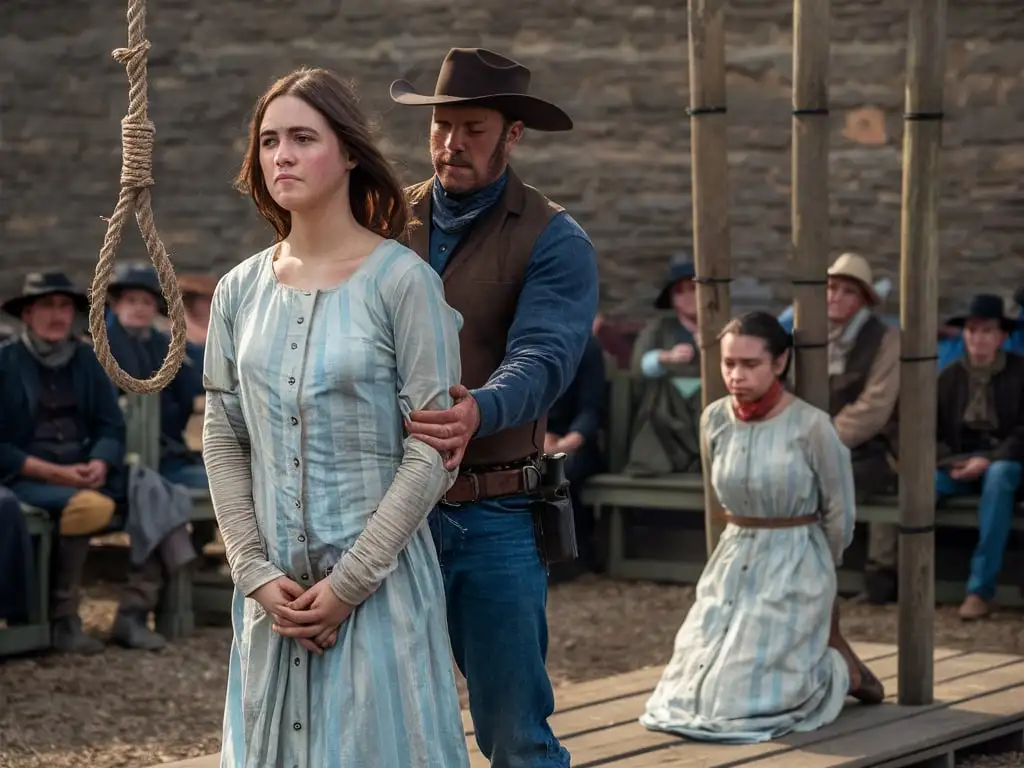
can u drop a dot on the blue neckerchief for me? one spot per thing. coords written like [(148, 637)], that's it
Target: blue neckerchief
[(452, 214)]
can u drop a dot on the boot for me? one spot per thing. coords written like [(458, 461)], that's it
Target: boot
[(131, 631), (870, 689), (69, 637)]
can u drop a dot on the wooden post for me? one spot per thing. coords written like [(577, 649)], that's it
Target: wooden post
[(709, 169), (919, 265), (810, 215)]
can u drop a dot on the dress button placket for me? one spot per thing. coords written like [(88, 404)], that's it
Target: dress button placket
[(295, 355)]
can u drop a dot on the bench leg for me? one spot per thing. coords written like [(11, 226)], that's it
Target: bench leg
[(616, 544), (174, 615)]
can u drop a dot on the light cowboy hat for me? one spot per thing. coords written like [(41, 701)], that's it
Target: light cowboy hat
[(853, 266), (483, 78)]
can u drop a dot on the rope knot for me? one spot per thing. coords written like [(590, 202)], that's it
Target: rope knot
[(131, 56), (136, 153)]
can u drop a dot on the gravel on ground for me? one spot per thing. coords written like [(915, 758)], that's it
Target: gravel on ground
[(129, 709)]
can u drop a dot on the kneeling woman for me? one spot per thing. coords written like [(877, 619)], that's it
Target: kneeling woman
[(759, 654)]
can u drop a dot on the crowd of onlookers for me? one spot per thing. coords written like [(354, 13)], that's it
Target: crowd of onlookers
[(63, 447), (63, 450), (980, 416)]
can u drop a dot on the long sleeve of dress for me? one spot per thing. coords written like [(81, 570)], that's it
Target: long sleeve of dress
[(426, 338), (226, 453), (830, 460)]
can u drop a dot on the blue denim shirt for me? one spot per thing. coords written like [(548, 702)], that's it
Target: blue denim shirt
[(551, 326)]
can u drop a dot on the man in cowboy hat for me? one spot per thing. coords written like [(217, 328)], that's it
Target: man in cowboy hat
[(196, 296), (668, 343), (62, 443), (135, 298), (523, 275), (864, 384), (980, 434)]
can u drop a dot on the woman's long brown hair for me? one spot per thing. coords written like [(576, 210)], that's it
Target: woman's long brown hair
[(377, 199)]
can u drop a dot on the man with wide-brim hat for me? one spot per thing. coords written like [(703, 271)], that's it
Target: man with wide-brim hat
[(980, 438), (523, 274), (864, 384), (668, 343), (135, 298), (38, 285), (197, 296), (62, 448), (137, 281)]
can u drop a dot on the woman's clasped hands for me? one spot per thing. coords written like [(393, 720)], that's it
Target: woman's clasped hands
[(310, 616)]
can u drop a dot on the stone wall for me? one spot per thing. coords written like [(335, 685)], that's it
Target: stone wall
[(619, 68)]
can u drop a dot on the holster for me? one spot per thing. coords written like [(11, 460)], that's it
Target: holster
[(554, 526)]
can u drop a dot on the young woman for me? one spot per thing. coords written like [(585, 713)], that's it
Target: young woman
[(759, 654), (318, 348)]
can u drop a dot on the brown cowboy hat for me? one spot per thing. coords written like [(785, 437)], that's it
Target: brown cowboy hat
[(484, 78), (197, 284)]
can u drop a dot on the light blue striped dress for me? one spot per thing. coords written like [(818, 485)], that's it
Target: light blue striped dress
[(311, 478), (751, 661)]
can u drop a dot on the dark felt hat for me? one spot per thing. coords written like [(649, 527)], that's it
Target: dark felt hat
[(483, 78), (141, 277), (683, 270), (40, 284), (986, 306)]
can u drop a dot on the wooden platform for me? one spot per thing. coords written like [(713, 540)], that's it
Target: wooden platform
[(979, 706)]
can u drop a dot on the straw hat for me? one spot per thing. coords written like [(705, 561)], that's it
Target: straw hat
[(853, 266)]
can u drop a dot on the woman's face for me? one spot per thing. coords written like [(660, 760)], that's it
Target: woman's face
[(303, 163), (748, 369)]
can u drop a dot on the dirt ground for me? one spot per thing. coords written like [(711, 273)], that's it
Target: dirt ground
[(128, 709)]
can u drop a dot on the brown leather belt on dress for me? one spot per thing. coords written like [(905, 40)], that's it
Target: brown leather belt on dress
[(475, 485), (770, 522)]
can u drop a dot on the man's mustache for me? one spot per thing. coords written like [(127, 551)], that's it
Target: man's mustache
[(454, 160)]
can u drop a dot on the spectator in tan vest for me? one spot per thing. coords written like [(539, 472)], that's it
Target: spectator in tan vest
[(864, 383)]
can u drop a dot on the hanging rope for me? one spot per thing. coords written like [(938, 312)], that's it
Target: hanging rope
[(136, 179)]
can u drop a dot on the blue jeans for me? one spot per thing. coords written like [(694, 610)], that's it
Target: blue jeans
[(998, 488), (187, 473), (496, 589)]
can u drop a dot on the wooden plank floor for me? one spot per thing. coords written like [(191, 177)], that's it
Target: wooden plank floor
[(979, 700)]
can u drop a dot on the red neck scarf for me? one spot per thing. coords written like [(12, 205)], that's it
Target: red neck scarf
[(758, 409)]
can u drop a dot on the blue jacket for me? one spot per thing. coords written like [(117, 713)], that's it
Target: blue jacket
[(141, 359), (19, 398)]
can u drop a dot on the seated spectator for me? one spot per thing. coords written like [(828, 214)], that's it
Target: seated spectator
[(15, 560), (197, 295), (980, 438), (667, 346), (951, 342), (62, 445), (864, 384), (574, 425), (135, 298), (667, 401)]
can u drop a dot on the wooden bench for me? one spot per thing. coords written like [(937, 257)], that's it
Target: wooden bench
[(674, 547), (35, 633)]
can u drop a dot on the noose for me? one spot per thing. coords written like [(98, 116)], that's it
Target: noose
[(136, 179)]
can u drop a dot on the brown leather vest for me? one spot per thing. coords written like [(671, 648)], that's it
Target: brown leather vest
[(846, 387), (482, 280)]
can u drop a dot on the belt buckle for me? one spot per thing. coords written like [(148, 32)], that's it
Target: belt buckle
[(474, 481)]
